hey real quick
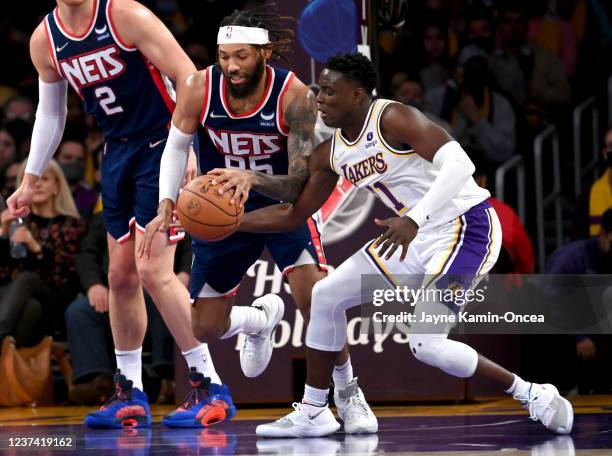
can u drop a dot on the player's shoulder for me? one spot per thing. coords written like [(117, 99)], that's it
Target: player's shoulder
[(194, 90), (39, 39), (129, 13), (298, 98)]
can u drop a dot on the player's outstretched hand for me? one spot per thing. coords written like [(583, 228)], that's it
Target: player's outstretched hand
[(161, 223), (239, 180), (19, 202), (400, 232)]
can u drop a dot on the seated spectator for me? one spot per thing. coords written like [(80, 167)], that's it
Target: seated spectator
[(88, 326), (589, 256), (411, 93), (46, 273), (517, 254), (8, 149), (526, 70), (71, 158), (477, 114), (436, 66), (479, 27), (9, 180), (19, 108), (552, 32), (600, 195)]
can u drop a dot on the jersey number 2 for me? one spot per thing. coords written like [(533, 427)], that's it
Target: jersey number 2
[(107, 97)]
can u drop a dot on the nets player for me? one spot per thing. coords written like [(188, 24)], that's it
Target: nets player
[(260, 118), (450, 230), (113, 53)]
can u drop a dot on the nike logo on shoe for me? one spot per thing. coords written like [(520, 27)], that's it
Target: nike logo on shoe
[(156, 143), (312, 417), (61, 48), (217, 116)]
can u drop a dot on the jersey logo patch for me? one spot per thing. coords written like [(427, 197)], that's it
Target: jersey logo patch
[(101, 31), (244, 143), (61, 48), (365, 168), (93, 67), (267, 116), (217, 116)]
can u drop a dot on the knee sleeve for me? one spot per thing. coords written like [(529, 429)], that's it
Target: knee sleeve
[(327, 328), (436, 350)]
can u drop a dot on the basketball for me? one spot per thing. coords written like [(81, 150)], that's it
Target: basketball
[(204, 213)]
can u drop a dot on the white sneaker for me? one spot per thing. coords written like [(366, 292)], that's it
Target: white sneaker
[(305, 421), (256, 352), (546, 405), (354, 410)]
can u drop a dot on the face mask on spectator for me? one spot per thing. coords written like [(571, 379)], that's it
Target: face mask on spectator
[(74, 171)]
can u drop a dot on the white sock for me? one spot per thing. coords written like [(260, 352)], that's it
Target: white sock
[(519, 386), (246, 319), (199, 357), (343, 374), (315, 396), (129, 362)]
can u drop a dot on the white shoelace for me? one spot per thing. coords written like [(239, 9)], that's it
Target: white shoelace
[(360, 409), (531, 402)]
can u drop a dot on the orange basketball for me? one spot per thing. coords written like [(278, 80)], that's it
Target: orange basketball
[(204, 213)]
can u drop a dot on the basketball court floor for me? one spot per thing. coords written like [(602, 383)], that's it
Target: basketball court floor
[(494, 426)]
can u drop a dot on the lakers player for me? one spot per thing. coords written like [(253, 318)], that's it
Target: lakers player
[(253, 116), (443, 225)]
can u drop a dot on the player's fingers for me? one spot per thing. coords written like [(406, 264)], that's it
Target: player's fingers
[(380, 222), (216, 172), (404, 251), (382, 238), (384, 247), (395, 245), (231, 183)]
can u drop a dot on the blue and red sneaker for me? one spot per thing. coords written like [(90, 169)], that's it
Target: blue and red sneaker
[(206, 404), (127, 408)]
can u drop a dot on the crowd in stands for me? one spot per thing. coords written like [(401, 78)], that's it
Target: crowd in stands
[(494, 73)]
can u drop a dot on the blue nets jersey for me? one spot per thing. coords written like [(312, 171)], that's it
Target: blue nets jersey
[(255, 140), (117, 84)]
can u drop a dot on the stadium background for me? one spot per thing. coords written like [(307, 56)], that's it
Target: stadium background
[(394, 33)]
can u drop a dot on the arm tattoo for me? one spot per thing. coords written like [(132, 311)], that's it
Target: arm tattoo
[(301, 117)]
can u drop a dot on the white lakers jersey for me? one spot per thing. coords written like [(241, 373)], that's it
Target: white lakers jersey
[(399, 178)]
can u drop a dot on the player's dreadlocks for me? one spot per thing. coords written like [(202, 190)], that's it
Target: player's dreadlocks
[(356, 67), (266, 17)]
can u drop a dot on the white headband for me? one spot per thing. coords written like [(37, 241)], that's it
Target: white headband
[(235, 34)]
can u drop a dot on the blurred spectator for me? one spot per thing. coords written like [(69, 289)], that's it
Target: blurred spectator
[(479, 28), (517, 254), (478, 115), (19, 108), (9, 179), (8, 149), (600, 195), (396, 80), (71, 158), (47, 273), (526, 70), (411, 93), (589, 256), (552, 32), (436, 66), (88, 327)]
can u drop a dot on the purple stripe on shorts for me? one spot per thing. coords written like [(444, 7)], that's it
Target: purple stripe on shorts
[(476, 242)]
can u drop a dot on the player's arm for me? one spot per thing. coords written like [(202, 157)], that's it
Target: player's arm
[(138, 27), (301, 117), (405, 125), (175, 156), (287, 217), (300, 114), (48, 125)]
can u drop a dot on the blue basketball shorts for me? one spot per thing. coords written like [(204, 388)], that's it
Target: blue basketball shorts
[(130, 184), (218, 267)]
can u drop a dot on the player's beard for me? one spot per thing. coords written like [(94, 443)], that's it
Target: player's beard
[(250, 83)]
